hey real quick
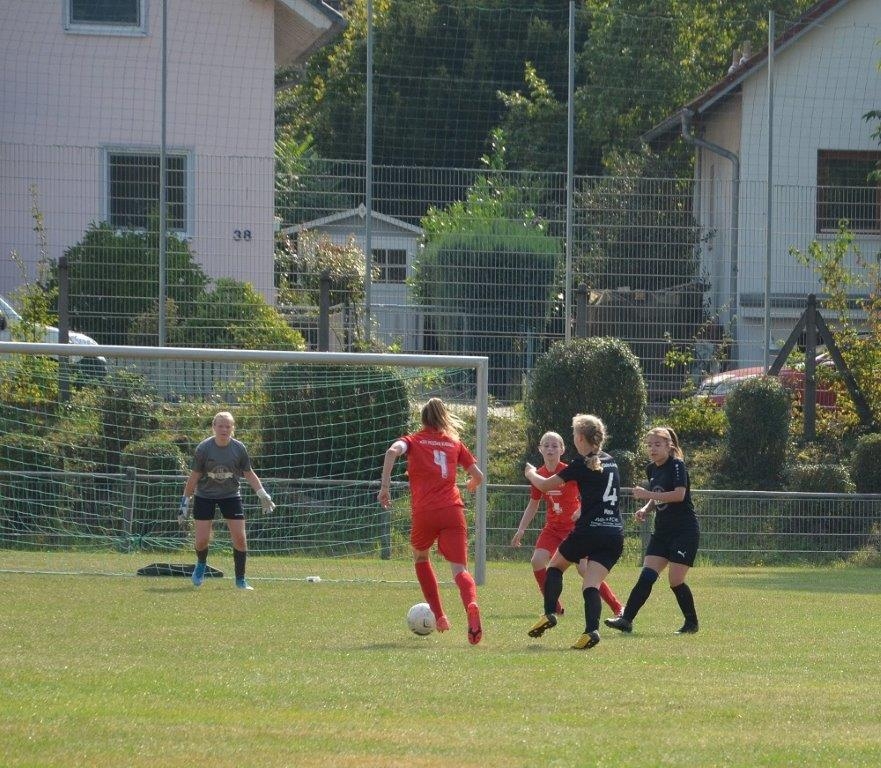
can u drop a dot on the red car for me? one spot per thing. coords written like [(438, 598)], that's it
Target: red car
[(716, 388)]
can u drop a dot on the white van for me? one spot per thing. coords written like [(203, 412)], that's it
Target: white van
[(89, 367)]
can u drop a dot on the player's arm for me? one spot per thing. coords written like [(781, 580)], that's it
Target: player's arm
[(266, 502), (396, 449), (660, 497), (528, 515), (475, 478), (544, 484)]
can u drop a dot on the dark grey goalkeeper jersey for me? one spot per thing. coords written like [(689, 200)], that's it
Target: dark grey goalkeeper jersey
[(221, 468)]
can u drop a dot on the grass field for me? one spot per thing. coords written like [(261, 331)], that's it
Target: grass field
[(128, 671)]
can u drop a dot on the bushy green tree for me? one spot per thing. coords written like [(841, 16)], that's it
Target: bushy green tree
[(597, 375), (758, 413), (114, 275), (233, 315)]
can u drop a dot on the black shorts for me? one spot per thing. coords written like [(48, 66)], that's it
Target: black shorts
[(601, 548), (206, 509), (675, 546)]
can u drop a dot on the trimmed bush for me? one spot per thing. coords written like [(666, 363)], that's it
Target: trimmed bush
[(597, 375), (819, 478), (22, 451), (696, 418), (758, 413), (155, 455), (866, 464), (129, 412)]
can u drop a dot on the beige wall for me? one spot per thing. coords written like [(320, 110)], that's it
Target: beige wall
[(66, 97)]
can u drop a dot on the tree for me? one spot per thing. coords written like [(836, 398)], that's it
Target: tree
[(484, 260)]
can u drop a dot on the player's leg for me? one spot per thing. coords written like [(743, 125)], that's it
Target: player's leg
[(652, 566), (422, 535), (606, 593), (545, 545), (233, 512), (595, 573), (553, 589), (683, 555), (203, 518), (452, 543)]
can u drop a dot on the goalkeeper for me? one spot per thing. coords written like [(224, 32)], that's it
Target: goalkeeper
[(219, 464)]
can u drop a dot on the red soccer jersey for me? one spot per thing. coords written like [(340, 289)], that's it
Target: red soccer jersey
[(562, 502), (432, 458)]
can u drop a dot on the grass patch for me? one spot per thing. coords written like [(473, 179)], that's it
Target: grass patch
[(111, 671)]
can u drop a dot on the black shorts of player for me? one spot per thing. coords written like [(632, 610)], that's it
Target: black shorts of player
[(676, 546), (231, 508), (601, 548)]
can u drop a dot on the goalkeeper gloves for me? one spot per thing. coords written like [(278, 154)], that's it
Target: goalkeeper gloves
[(266, 502), (183, 514)]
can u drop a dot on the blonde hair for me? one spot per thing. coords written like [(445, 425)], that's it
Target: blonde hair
[(592, 429), (667, 433), (435, 415), (224, 415), (556, 436)]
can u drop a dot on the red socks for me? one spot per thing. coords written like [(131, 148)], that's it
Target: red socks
[(428, 581), (467, 588), (609, 599)]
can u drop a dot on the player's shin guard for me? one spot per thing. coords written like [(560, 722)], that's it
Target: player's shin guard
[(467, 588), (553, 589), (640, 593), (428, 582), (592, 608), (239, 558), (686, 602)]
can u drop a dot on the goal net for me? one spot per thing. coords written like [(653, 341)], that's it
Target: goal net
[(93, 457)]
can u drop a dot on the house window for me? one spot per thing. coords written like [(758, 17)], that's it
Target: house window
[(846, 191), (125, 16), (392, 263), (133, 190)]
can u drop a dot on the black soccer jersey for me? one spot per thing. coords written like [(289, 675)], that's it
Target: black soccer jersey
[(600, 494), (671, 516)]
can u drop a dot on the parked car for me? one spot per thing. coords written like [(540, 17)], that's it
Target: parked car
[(717, 388), (88, 367)]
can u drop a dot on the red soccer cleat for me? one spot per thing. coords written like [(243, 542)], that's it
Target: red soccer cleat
[(475, 630)]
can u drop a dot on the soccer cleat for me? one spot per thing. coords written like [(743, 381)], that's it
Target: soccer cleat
[(442, 623), (689, 628), (546, 622), (242, 584), (619, 622), (198, 574), (587, 640), (475, 630), (559, 610)]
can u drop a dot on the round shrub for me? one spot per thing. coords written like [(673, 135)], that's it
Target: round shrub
[(866, 464), (155, 455), (758, 413), (819, 478), (597, 375), (696, 418), (20, 451)]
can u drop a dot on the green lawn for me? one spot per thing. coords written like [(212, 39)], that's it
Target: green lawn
[(127, 671)]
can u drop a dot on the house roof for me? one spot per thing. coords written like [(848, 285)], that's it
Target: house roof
[(720, 91), (301, 27), (353, 213)]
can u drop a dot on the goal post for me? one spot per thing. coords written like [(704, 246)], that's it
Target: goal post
[(97, 464)]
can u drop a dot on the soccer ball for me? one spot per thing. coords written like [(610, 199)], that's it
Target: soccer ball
[(420, 619)]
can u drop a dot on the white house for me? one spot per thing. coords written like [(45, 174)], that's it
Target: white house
[(81, 105), (825, 78), (394, 244)]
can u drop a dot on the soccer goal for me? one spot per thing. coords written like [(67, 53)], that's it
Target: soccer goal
[(92, 466)]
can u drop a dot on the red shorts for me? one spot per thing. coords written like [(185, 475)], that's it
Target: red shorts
[(550, 539), (447, 527)]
